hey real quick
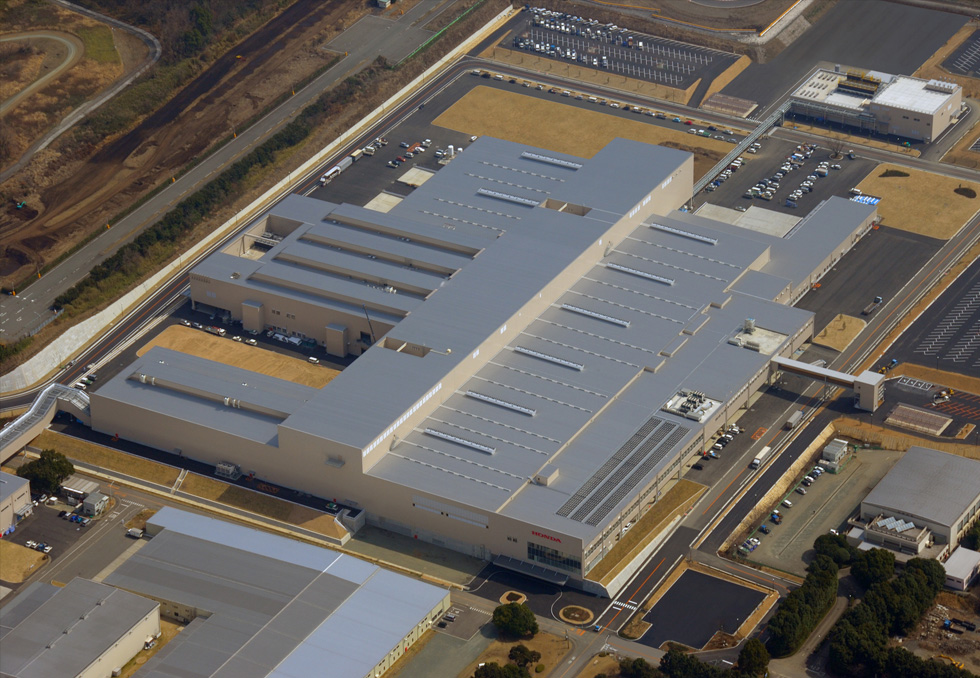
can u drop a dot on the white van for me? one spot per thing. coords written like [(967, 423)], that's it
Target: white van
[(855, 191), (787, 503)]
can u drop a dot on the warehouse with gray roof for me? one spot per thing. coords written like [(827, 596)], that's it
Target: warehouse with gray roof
[(545, 341), (927, 489), (83, 629), (252, 605)]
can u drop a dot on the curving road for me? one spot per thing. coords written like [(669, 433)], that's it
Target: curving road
[(154, 50), (75, 52)]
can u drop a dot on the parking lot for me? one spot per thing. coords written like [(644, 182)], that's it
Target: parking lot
[(865, 34), (947, 335), (965, 60), (828, 503), (696, 607), (370, 176), (571, 38), (769, 160)]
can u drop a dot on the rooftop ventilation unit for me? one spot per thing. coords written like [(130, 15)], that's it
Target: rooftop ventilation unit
[(551, 161), (550, 358), (685, 234), (527, 202), (641, 274), (501, 403), (461, 441), (598, 316)]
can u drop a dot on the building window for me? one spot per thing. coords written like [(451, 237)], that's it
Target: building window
[(365, 338), (552, 557)]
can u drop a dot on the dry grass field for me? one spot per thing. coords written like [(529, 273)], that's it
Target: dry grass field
[(566, 129), (839, 332), (17, 562), (607, 666), (197, 485), (922, 202), (552, 648), (107, 458), (239, 354)]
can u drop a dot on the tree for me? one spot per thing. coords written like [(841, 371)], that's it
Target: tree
[(47, 472), (514, 619), (753, 660), (637, 668), (835, 547), (873, 567), (522, 655), (495, 670), (836, 144)]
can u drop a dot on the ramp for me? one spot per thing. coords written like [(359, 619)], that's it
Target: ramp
[(53, 399)]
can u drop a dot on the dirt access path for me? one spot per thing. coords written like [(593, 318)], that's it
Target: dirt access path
[(74, 198)]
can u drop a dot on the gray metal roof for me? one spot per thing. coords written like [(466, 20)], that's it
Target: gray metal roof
[(70, 630), (928, 484), (610, 328), (278, 607), (10, 485), (193, 389)]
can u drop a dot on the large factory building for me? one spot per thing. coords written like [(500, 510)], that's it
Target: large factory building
[(543, 341)]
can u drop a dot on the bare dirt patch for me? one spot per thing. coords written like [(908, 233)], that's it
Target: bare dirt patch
[(839, 332), (231, 91), (923, 202), (566, 129), (17, 562), (573, 614), (552, 648), (239, 354)]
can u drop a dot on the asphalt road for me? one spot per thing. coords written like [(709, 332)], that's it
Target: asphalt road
[(30, 307), (864, 34)]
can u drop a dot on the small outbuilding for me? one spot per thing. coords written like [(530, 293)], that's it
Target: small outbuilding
[(95, 504), (962, 568)]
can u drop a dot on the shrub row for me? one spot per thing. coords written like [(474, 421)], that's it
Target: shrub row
[(801, 611)]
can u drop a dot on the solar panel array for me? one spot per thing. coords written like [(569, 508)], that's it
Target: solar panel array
[(597, 496)]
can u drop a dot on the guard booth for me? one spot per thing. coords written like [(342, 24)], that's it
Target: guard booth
[(95, 504)]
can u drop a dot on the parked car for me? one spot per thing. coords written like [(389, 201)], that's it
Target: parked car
[(698, 467), (800, 489), (251, 342), (764, 529)]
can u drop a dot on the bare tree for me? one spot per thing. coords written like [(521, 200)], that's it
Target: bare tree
[(836, 142)]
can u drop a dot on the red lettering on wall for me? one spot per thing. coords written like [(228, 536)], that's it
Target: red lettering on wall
[(545, 536)]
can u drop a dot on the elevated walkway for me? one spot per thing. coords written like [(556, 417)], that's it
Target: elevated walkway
[(868, 387), (53, 399)]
